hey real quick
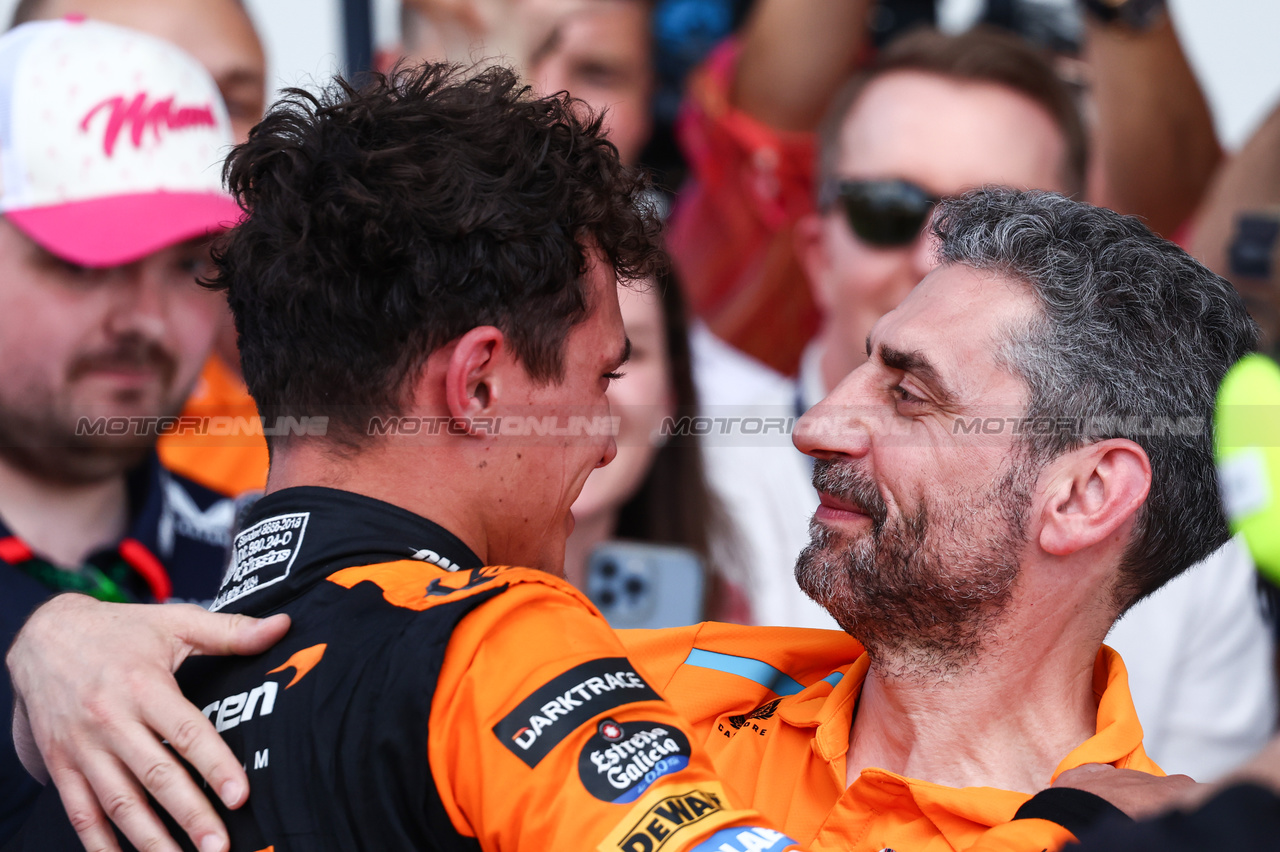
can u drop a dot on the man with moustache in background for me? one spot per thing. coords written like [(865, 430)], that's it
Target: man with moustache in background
[(220, 35), (110, 149)]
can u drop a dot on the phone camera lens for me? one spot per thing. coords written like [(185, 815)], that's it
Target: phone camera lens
[(609, 569), (634, 586), (607, 598)]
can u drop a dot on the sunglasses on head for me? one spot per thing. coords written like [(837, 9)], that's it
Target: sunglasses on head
[(883, 213)]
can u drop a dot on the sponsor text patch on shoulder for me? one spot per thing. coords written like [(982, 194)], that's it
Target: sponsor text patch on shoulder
[(559, 707)]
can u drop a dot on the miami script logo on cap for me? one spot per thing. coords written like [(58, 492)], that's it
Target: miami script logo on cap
[(140, 117)]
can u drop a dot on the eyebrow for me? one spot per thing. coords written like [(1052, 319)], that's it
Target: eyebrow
[(238, 76), (918, 365)]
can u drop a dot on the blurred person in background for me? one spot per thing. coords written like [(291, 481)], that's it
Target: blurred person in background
[(603, 54), (112, 145), (935, 115), (655, 490), (221, 36), (598, 50), (748, 127)]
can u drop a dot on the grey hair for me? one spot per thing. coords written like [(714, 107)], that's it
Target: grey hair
[(1132, 342)]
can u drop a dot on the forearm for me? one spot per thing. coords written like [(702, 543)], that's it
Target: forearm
[(1249, 181), (1154, 142), (795, 56)]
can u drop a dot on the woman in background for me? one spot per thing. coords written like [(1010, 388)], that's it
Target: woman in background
[(654, 491)]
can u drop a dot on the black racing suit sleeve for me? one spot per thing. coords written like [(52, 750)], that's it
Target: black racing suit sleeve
[(1242, 818)]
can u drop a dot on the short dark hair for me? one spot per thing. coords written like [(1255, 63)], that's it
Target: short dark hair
[(979, 55), (1133, 340), (387, 219)]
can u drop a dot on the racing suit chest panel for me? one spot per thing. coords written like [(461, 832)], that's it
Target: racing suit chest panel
[(332, 724)]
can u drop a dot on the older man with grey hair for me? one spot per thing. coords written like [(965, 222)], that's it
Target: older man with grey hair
[(978, 567), (1081, 358)]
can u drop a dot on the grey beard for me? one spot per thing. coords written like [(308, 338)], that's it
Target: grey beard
[(921, 591)]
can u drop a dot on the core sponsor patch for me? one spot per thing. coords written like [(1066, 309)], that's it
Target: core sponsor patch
[(261, 556), (745, 838), (556, 709), (666, 813), (753, 721), (624, 759), (764, 711)]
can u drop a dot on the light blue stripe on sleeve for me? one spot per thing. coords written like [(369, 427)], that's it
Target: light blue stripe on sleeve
[(756, 671)]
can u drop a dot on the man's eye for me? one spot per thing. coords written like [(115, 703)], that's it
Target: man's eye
[(243, 110), (903, 395), (614, 376), (76, 275), (195, 266), (599, 75)]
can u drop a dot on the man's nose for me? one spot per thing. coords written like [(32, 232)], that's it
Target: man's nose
[(842, 424), (141, 303), (610, 451)]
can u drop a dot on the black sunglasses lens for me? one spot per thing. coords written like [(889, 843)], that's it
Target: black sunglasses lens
[(885, 214)]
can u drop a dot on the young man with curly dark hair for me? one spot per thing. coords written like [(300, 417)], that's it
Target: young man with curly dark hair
[(442, 251)]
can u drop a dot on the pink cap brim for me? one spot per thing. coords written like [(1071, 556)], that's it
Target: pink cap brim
[(124, 228)]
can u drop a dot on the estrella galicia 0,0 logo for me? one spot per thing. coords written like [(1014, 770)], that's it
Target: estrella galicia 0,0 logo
[(624, 759)]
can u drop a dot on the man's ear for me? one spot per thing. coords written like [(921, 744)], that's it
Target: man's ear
[(811, 250), (1093, 491), (471, 382)]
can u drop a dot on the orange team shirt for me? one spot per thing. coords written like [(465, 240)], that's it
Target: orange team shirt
[(223, 449), (773, 707)]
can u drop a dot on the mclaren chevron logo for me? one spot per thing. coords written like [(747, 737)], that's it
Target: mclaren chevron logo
[(303, 662), (233, 710)]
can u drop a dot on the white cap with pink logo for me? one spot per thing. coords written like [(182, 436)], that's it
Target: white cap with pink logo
[(111, 142)]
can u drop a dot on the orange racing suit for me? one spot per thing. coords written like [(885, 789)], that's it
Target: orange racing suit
[(422, 701)]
